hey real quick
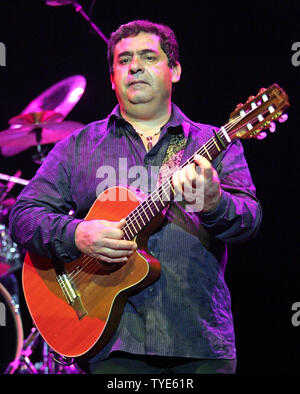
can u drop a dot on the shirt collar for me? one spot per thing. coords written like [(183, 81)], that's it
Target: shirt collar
[(176, 121)]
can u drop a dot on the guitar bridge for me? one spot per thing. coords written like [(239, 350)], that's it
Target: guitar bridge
[(71, 295)]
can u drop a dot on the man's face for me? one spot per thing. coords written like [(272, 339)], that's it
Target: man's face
[(141, 73)]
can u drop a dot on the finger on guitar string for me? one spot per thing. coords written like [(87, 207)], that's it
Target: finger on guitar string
[(103, 239), (187, 180), (116, 252), (111, 260), (119, 244)]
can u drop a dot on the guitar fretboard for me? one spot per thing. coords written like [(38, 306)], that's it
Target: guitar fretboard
[(138, 219)]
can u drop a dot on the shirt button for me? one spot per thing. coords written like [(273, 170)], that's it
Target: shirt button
[(150, 289)]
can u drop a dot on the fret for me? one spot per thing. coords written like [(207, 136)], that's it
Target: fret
[(149, 207), (207, 152), (129, 229), (137, 223), (157, 193), (215, 142), (142, 216), (225, 134), (133, 226), (171, 186), (154, 204), (165, 193), (218, 137), (169, 198), (124, 229), (130, 224), (142, 205), (163, 189)]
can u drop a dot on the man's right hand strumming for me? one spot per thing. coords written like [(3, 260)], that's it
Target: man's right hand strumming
[(103, 240)]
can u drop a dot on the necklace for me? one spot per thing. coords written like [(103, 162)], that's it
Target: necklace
[(148, 138)]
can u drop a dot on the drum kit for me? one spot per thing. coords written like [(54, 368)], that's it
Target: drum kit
[(41, 123)]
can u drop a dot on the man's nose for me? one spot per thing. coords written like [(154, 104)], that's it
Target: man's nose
[(136, 65)]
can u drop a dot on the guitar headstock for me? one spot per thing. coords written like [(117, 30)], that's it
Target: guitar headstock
[(258, 113)]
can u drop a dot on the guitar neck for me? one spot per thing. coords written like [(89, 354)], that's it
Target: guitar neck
[(159, 199), (247, 121)]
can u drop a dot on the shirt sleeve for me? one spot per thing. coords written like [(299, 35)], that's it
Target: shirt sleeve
[(238, 216), (40, 221)]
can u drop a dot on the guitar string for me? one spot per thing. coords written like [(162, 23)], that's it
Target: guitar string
[(230, 126), (88, 259), (129, 221), (165, 187), (211, 143)]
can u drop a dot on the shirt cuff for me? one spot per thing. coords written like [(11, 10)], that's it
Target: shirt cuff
[(67, 248), (212, 217)]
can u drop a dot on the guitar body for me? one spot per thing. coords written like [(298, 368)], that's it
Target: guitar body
[(85, 326)]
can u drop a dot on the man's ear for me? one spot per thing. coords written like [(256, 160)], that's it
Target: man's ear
[(112, 81), (176, 72)]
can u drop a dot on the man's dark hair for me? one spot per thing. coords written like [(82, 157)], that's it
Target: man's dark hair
[(168, 40)]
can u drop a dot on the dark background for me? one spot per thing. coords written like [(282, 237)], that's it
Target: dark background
[(229, 50)]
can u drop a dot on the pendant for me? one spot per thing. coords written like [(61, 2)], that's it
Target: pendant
[(149, 145)]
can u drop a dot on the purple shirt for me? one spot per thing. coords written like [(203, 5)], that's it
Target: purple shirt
[(187, 311)]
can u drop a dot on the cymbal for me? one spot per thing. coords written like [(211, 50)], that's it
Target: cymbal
[(37, 134), (60, 98), (36, 118)]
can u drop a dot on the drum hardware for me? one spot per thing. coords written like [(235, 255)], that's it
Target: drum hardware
[(40, 123), (44, 112), (23, 361), (60, 98), (11, 329), (35, 118), (7, 188), (10, 255), (62, 360), (14, 179), (51, 363), (39, 156), (36, 129), (78, 8)]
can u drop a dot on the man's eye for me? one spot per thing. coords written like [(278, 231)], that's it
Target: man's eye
[(150, 58), (124, 60)]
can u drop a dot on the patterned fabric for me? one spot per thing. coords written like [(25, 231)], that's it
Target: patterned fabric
[(173, 157)]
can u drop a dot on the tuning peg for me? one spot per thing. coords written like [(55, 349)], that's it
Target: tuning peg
[(262, 90), (250, 98), (283, 118), (238, 106), (261, 135), (272, 127)]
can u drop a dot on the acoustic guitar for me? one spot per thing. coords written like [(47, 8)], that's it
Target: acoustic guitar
[(77, 306)]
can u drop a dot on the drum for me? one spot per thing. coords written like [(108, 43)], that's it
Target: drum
[(10, 256), (11, 330)]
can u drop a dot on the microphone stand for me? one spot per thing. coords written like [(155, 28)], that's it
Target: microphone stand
[(78, 8)]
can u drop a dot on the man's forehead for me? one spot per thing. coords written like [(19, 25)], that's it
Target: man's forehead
[(139, 42)]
